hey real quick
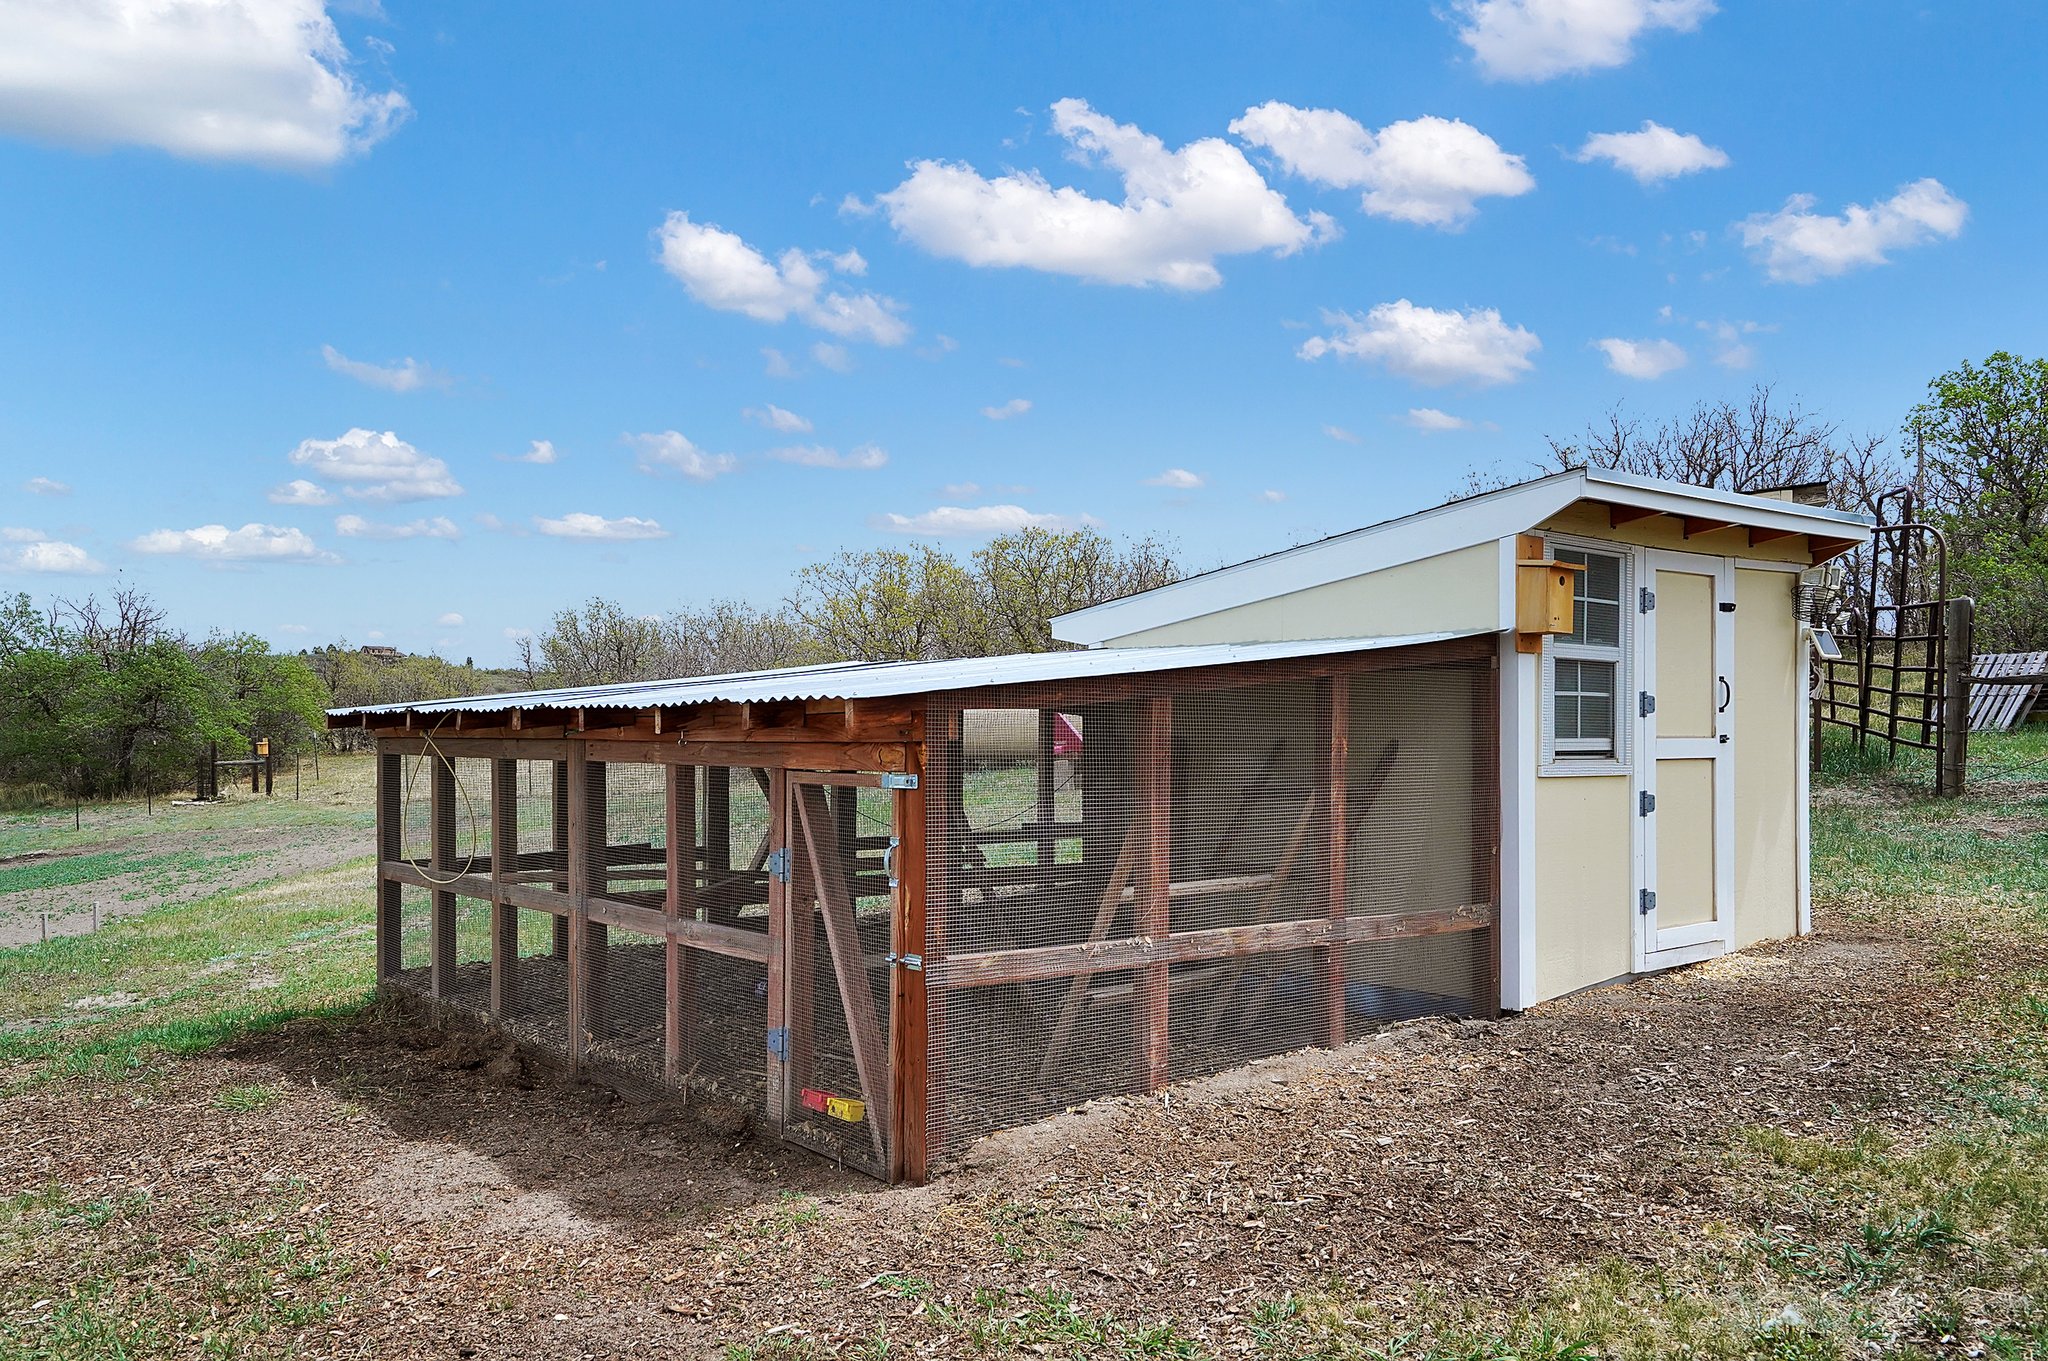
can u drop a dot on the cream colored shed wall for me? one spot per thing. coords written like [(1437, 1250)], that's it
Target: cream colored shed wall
[(1769, 688), (1585, 932), (1456, 590)]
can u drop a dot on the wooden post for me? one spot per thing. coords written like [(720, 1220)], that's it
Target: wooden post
[(1048, 844), (1951, 767), (561, 845), (390, 894), (907, 1022), (504, 856), (597, 959), (1154, 752), (571, 773), (442, 809), (800, 947), (680, 1009), (1333, 739), (944, 815), (778, 944), (718, 827)]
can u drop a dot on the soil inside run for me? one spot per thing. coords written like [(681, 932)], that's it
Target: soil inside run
[(478, 1206)]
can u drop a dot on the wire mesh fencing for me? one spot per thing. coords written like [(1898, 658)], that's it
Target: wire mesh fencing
[(1171, 879)]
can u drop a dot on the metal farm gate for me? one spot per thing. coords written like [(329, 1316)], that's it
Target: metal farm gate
[(1900, 675)]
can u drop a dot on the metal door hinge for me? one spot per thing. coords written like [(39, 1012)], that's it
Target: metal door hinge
[(914, 963), (1646, 704), (1646, 803), (778, 865), (778, 1043), (899, 782), (1646, 902), (1646, 600)]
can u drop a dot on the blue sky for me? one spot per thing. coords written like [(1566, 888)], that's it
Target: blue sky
[(771, 280)]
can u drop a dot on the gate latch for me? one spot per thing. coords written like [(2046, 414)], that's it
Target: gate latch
[(914, 963), (899, 781)]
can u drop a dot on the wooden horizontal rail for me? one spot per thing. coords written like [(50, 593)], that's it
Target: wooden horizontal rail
[(648, 921), (1037, 963)]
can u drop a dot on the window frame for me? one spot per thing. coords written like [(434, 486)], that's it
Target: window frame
[(1557, 760)]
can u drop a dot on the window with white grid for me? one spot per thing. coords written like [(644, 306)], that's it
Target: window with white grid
[(1585, 671)]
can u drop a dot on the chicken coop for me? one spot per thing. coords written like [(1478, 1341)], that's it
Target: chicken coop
[(880, 910)]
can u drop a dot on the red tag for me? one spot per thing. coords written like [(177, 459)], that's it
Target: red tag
[(814, 1100)]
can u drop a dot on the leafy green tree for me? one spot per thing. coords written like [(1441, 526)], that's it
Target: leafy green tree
[(1984, 431), (600, 644), (269, 694), (890, 605), (1024, 579)]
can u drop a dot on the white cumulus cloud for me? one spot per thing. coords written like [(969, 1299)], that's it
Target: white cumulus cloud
[(376, 467), (1431, 421), (1178, 479), (1341, 435), (300, 492), (865, 456), (1427, 345), (672, 451), (401, 375), (1652, 154), (356, 527), (264, 81), (1538, 39), (1180, 210), (41, 553), (1009, 410), (722, 271), (579, 524), (1430, 171), (777, 419), (969, 521), (219, 544), (833, 357), (1797, 245), (450, 620), (539, 451), (46, 486), (1641, 358)]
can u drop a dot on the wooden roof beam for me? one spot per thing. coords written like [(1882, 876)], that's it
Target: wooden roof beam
[(1617, 516), (1697, 525), (1759, 537)]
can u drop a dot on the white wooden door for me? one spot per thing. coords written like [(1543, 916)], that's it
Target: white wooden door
[(1685, 759)]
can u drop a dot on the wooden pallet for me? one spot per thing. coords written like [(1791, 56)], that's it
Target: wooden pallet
[(2001, 708)]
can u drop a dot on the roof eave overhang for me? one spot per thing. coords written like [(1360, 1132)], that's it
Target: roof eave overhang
[(1447, 529)]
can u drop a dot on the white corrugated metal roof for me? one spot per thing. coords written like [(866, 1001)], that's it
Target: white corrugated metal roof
[(880, 680), (1439, 529)]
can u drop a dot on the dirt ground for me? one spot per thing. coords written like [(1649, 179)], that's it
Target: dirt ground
[(492, 1213)]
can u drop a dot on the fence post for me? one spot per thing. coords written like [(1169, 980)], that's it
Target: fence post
[(1953, 759)]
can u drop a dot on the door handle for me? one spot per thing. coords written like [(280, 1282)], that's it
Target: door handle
[(1727, 694)]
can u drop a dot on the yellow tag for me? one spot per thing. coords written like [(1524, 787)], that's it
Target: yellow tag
[(846, 1108)]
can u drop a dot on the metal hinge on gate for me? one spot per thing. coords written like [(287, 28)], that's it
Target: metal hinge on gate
[(899, 782), (778, 865), (914, 963), (1646, 803), (1646, 704), (1646, 600), (778, 1043), (1646, 902)]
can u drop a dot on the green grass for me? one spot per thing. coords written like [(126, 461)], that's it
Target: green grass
[(1871, 1244), (187, 976)]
